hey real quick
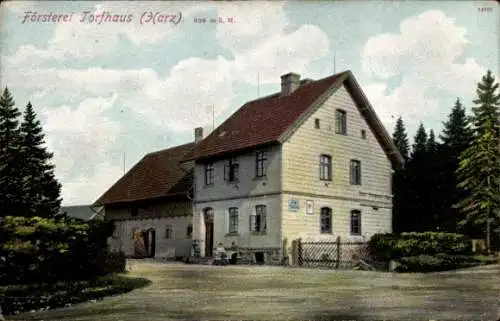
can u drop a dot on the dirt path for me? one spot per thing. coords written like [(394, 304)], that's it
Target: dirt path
[(187, 292)]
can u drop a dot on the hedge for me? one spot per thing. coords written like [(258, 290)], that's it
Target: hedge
[(35, 250), (20, 298), (441, 262), (388, 246)]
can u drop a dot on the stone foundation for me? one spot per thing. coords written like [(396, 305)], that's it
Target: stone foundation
[(271, 256)]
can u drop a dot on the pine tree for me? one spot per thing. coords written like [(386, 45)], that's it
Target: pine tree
[(479, 167), (433, 183), (399, 182), (400, 138), (455, 138), (417, 208), (11, 195), (420, 142), (39, 183)]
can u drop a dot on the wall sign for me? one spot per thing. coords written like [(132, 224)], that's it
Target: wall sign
[(293, 205), (309, 207)]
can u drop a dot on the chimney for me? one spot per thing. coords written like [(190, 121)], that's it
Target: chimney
[(198, 134), (289, 83)]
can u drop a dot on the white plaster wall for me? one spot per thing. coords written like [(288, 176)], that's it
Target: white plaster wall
[(179, 245), (244, 238)]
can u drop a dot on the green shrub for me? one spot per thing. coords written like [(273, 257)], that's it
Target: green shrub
[(388, 246), (34, 250), (115, 262), (441, 262), (20, 298)]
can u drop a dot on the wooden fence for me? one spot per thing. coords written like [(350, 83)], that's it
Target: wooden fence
[(328, 253)]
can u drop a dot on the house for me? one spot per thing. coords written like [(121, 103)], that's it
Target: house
[(311, 161), (84, 212), (152, 206)]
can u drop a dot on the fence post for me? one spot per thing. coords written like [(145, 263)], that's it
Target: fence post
[(338, 252), (294, 252), (299, 251)]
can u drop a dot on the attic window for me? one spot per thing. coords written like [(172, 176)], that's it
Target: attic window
[(363, 134), (316, 123)]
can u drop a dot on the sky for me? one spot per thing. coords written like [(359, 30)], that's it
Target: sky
[(108, 92)]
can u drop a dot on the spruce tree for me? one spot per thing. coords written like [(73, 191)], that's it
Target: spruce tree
[(400, 138), (399, 181), (455, 137), (479, 167), (39, 182), (11, 196), (418, 215), (433, 183)]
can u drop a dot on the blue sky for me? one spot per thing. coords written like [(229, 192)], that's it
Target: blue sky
[(128, 88)]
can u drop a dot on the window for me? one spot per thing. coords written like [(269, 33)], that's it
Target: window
[(355, 172), (316, 123), (261, 163), (209, 174), (325, 167), (134, 211), (326, 220), (363, 134), (341, 122), (232, 171), (258, 220), (189, 231), (355, 222), (169, 232), (233, 220)]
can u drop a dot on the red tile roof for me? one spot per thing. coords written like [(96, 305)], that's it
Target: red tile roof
[(268, 119), (157, 174), (261, 121)]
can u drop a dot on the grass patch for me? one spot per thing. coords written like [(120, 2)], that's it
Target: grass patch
[(15, 299)]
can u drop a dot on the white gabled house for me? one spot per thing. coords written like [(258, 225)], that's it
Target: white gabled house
[(312, 161)]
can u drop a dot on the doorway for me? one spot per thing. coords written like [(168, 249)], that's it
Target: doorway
[(209, 238), (209, 231), (150, 242)]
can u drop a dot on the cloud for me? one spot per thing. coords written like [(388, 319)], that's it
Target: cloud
[(86, 189), (255, 23), (84, 40), (79, 130), (19, 6), (424, 56), (80, 137), (281, 54)]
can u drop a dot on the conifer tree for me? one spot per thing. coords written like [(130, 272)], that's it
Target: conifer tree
[(39, 182), (400, 138), (399, 188), (11, 195), (416, 183), (432, 182), (479, 167), (455, 137)]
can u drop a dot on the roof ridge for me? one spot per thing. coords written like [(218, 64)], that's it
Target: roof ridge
[(167, 149), (302, 86)]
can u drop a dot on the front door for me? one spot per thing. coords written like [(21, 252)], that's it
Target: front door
[(209, 238)]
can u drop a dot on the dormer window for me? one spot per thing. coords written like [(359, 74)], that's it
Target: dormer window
[(232, 171)]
